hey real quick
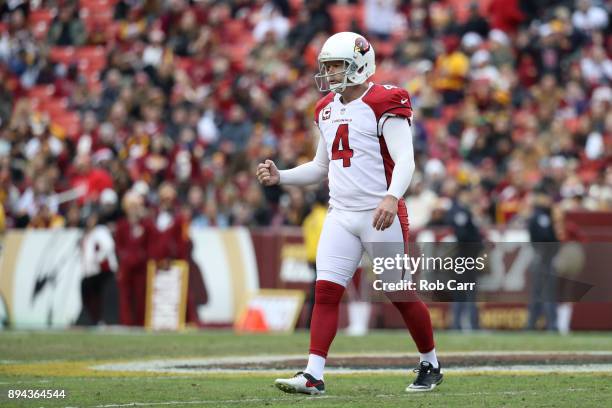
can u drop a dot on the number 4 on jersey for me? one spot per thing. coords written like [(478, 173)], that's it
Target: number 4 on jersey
[(342, 135)]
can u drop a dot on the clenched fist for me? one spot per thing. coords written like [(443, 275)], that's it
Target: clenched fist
[(267, 173)]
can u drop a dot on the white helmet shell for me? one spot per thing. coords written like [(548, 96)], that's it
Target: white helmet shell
[(355, 51)]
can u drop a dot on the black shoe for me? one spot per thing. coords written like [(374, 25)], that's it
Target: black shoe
[(427, 379)]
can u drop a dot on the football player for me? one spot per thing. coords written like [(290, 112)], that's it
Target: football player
[(365, 150)]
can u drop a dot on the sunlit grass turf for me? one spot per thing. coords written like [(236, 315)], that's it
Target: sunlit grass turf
[(87, 345), (358, 390)]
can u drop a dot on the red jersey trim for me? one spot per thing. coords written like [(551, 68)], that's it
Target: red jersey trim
[(388, 162), (387, 100), (402, 214)]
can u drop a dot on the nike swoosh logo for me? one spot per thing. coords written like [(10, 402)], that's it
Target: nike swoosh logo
[(310, 384), (403, 101)]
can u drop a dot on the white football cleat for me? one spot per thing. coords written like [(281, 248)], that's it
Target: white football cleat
[(301, 382)]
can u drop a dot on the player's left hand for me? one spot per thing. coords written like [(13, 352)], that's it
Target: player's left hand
[(385, 213)]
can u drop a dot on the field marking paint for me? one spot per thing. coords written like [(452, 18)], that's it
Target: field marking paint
[(475, 370), (26, 382), (215, 365)]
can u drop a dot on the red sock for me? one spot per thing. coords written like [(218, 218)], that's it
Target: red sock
[(324, 322), (417, 320)]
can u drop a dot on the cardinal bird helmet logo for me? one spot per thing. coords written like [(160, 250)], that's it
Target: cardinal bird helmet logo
[(361, 45)]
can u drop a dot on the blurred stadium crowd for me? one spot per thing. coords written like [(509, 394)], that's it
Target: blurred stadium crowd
[(99, 98)]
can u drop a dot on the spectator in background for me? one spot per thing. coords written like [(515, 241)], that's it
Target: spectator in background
[(43, 142), (499, 46), (588, 17), (475, 22), (312, 19), (452, 69), (421, 203), (471, 43), (173, 71), (482, 69), (311, 230), (272, 24), (109, 210), (294, 207), (132, 240), (568, 263), (89, 180), (469, 245), (185, 35), (236, 132), (545, 244), (2, 219), (171, 229), (134, 25), (258, 211), (171, 242), (38, 206), (99, 264), (45, 218), (381, 18), (505, 15), (67, 29), (6, 97), (596, 66), (154, 52)]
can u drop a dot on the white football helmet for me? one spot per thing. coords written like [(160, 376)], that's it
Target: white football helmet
[(357, 54)]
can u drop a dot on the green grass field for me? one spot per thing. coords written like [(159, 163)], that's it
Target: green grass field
[(63, 360)]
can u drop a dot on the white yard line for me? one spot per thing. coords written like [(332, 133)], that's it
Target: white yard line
[(215, 365), (25, 382), (582, 368)]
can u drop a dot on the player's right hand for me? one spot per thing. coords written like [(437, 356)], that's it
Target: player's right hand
[(267, 173)]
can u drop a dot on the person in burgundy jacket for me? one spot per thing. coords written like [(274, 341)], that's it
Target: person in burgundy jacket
[(132, 239), (172, 242), (171, 229)]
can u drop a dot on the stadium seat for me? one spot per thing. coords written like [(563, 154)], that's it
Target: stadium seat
[(53, 110), (90, 58), (112, 30), (94, 7), (237, 53), (344, 14), (98, 4), (431, 127), (69, 122), (461, 8), (41, 19), (95, 18), (235, 31), (41, 92), (184, 63), (383, 49), (296, 5), (449, 113), (94, 83), (64, 55), (44, 16), (384, 76)]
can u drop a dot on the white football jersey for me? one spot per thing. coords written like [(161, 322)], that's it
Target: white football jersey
[(360, 166)]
